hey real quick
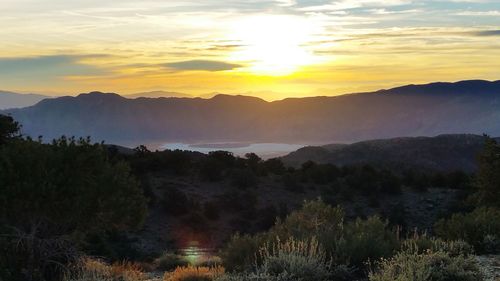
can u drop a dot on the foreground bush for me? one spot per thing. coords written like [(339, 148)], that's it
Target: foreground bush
[(351, 244), (193, 273), (366, 239), (428, 266), (480, 228), (295, 260), (88, 269), (423, 243)]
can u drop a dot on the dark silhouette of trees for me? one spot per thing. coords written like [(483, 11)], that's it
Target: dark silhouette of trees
[(488, 176), (54, 196)]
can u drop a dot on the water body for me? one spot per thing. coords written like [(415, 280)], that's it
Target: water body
[(264, 150)]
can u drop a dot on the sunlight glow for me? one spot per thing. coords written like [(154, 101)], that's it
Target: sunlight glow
[(274, 45)]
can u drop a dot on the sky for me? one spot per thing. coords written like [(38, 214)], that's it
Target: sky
[(268, 48)]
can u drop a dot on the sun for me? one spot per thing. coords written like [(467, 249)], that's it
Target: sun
[(273, 45)]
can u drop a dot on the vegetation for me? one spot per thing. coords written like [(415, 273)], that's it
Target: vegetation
[(63, 201), (55, 196), (480, 228), (427, 266), (194, 273)]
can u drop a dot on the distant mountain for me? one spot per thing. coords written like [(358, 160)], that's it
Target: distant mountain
[(416, 110), (443, 153), (158, 94), (15, 100)]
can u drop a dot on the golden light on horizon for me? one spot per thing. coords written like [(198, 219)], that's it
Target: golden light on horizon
[(274, 45)]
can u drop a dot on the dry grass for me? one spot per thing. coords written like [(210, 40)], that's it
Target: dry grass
[(88, 269), (194, 273)]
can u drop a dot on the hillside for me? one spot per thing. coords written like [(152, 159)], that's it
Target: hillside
[(15, 100), (414, 110), (444, 153)]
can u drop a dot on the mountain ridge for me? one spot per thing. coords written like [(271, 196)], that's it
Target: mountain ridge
[(420, 110)]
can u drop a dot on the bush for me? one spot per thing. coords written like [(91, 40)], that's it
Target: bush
[(423, 243), (170, 261), (59, 194), (295, 260), (479, 228), (88, 269), (194, 273), (366, 239), (427, 266), (239, 253)]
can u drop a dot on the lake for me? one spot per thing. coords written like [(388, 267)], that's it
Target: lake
[(264, 150)]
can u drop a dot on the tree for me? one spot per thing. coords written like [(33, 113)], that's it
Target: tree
[(488, 176), (53, 196), (9, 129)]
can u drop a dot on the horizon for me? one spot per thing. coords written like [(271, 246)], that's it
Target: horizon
[(167, 94), (272, 49)]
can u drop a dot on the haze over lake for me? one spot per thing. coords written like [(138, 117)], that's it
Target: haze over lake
[(264, 150)]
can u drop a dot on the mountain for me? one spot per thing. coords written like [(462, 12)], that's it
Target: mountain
[(15, 100), (158, 94), (441, 153), (415, 110)]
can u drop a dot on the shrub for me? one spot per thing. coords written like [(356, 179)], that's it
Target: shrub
[(194, 273), (427, 266), (56, 193), (294, 259), (366, 239), (423, 243), (315, 218), (88, 269), (479, 228), (239, 253), (170, 261)]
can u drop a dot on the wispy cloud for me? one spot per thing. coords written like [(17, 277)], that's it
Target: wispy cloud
[(202, 65)]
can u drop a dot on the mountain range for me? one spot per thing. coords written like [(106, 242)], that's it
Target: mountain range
[(15, 100), (471, 106), (440, 153)]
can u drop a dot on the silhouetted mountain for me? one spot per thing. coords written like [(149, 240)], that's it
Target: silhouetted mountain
[(444, 153), (15, 100), (158, 94), (414, 110)]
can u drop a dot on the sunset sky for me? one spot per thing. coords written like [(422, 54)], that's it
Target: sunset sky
[(269, 48)]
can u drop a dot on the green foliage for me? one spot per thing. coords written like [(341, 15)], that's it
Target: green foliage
[(58, 192), (427, 266), (479, 228), (240, 252), (348, 244), (366, 239), (423, 243), (488, 175), (295, 260)]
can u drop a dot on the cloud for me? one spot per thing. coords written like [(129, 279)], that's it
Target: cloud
[(488, 33), (47, 67), (479, 13), (204, 65)]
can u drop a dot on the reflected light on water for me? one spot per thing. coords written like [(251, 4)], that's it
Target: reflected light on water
[(194, 253)]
